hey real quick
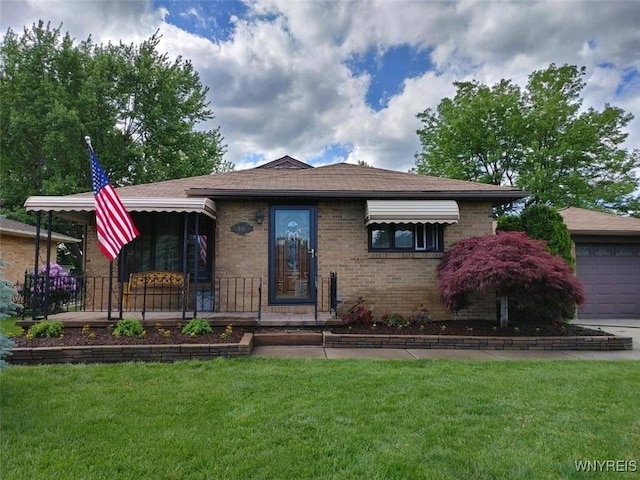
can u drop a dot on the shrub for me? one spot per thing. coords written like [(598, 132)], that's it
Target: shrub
[(6, 345), (538, 285), (8, 308), (197, 326), (62, 287), (358, 314), (395, 320), (421, 317), (128, 327), (509, 223), (45, 328), (542, 222)]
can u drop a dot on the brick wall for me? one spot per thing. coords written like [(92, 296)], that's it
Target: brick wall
[(389, 282), (19, 254)]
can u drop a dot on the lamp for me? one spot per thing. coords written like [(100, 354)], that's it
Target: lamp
[(259, 217)]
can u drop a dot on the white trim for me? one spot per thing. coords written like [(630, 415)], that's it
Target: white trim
[(133, 204), (411, 211)]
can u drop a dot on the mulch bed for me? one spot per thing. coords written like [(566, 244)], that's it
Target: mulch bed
[(474, 328), (103, 336)]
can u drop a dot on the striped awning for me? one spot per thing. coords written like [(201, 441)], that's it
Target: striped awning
[(70, 204), (412, 211)]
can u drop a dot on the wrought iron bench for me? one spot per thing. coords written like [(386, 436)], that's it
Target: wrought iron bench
[(156, 290)]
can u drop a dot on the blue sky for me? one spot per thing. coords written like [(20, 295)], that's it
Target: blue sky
[(343, 80)]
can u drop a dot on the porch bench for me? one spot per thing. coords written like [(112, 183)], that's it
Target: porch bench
[(156, 290)]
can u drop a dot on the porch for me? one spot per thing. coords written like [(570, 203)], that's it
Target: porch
[(77, 300)]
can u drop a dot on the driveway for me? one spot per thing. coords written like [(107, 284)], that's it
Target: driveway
[(623, 327)]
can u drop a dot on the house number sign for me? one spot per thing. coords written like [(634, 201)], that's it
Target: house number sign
[(242, 228)]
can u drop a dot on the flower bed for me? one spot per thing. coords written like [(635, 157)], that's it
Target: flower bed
[(474, 335), (159, 344), (477, 342)]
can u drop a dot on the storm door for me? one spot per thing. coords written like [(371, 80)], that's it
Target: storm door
[(292, 254)]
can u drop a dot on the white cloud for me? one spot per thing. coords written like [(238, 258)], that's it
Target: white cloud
[(279, 84)]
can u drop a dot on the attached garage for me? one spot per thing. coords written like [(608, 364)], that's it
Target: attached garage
[(607, 251), (610, 274)]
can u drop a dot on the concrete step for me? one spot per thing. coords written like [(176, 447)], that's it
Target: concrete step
[(296, 337)]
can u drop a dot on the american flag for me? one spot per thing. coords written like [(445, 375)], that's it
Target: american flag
[(113, 223)]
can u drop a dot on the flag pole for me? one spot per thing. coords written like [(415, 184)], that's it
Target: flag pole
[(110, 285)]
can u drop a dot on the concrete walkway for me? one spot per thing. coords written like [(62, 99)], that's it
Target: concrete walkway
[(625, 328)]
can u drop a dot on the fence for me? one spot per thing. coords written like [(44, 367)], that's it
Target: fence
[(41, 295)]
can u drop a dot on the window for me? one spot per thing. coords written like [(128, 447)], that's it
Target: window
[(161, 241), (421, 237)]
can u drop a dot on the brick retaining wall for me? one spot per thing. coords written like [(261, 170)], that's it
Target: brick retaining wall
[(129, 353), (332, 340)]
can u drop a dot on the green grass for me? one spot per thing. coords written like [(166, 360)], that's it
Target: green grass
[(8, 326), (300, 419)]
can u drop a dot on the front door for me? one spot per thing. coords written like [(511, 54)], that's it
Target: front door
[(292, 254)]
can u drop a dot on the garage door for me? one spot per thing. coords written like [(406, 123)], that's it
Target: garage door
[(610, 274)]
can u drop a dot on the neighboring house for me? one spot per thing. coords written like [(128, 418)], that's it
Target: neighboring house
[(607, 251), (17, 248), (286, 223)]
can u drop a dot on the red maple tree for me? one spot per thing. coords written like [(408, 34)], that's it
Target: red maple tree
[(535, 284)]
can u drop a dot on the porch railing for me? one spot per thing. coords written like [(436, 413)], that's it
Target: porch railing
[(41, 297)]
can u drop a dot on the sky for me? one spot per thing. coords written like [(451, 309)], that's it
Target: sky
[(335, 81)]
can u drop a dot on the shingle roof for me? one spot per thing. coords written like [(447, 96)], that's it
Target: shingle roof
[(580, 221), (339, 180), (20, 229)]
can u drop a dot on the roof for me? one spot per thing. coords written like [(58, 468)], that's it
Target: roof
[(286, 162), (286, 178), (340, 180), (580, 221), (343, 180), (19, 229)]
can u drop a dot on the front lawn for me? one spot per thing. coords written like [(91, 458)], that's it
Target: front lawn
[(299, 419), (8, 326)]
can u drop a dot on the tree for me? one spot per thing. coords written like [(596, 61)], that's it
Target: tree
[(8, 308), (536, 138), (541, 222), (530, 282), (140, 108)]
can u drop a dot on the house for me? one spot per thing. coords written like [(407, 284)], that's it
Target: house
[(17, 248), (607, 249), (273, 235)]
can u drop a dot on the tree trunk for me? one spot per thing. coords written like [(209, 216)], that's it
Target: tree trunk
[(504, 310)]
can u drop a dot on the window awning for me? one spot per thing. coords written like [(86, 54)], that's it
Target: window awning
[(70, 206), (412, 211)]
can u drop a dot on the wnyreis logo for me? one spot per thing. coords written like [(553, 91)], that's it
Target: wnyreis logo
[(606, 465)]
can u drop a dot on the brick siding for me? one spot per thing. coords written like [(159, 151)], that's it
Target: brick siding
[(389, 282), (19, 254)]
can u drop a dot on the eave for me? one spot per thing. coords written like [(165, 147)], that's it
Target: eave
[(497, 197)]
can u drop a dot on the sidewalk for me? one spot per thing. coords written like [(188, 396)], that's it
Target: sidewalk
[(291, 351), (620, 327)]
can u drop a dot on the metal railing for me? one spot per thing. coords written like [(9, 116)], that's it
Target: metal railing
[(333, 293), (41, 296)]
